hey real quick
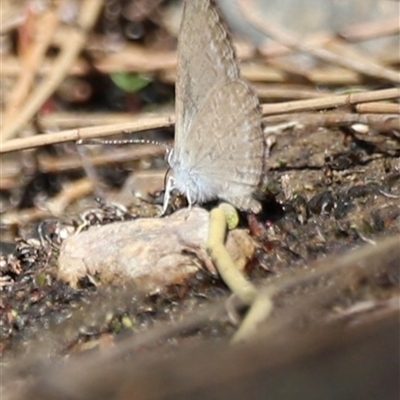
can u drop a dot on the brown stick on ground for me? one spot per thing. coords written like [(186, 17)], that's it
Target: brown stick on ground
[(69, 51)]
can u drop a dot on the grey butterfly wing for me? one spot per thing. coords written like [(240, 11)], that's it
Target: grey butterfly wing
[(225, 148), (205, 58)]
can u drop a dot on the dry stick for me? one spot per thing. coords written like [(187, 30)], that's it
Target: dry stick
[(378, 121), (117, 156), (371, 67), (353, 33), (45, 26), (383, 108), (272, 49), (168, 120), (295, 92), (68, 119), (72, 119), (349, 52), (253, 72), (70, 49), (324, 75), (130, 58), (334, 76), (10, 172), (330, 102), (9, 24), (165, 121), (371, 30), (54, 207), (226, 267), (86, 133), (330, 75)]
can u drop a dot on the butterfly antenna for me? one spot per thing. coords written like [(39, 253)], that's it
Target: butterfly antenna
[(123, 141)]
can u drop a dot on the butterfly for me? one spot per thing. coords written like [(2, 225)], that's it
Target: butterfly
[(219, 145)]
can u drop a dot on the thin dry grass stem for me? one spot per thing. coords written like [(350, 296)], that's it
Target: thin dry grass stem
[(290, 69), (253, 72), (368, 66), (353, 33), (45, 26), (331, 101), (69, 51), (381, 122), (330, 75), (334, 76), (272, 49), (284, 91), (11, 67), (136, 58), (54, 207), (73, 135), (349, 52), (71, 191), (375, 107), (371, 30), (8, 182), (72, 119), (12, 22), (167, 120), (118, 155), (11, 171), (129, 58)]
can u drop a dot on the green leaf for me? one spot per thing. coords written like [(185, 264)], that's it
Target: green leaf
[(130, 82)]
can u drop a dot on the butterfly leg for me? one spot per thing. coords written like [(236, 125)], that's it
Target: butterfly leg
[(169, 187), (190, 205), (189, 200)]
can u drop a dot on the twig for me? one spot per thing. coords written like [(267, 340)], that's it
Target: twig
[(45, 26), (54, 207), (86, 133), (382, 108), (368, 66), (68, 119), (284, 91), (117, 156), (353, 33), (380, 122), (371, 29), (10, 172), (151, 61), (165, 121), (70, 49), (331, 101), (327, 75), (9, 24)]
